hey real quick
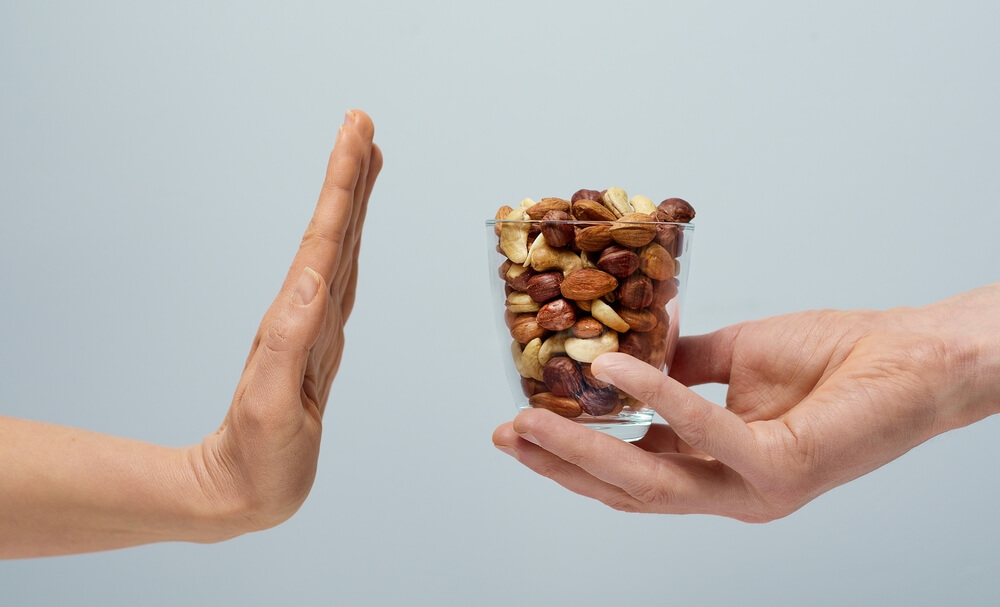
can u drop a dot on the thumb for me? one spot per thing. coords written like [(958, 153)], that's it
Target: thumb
[(702, 424), (284, 351)]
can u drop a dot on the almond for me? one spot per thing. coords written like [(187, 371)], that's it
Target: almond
[(588, 210), (634, 230), (587, 283), (543, 206), (594, 238), (563, 405)]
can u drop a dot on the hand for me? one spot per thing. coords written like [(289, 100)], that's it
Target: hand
[(262, 461), (815, 400)]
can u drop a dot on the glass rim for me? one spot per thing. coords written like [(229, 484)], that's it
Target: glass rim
[(588, 222)]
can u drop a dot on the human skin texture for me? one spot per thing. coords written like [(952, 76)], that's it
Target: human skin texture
[(65, 490), (815, 400)]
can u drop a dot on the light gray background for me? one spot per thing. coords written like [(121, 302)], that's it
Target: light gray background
[(158, 165)]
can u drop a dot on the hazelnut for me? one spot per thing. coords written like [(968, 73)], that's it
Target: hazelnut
[(675, 210), (526, 328), (619, 261), (587, 327), (586, 195), (636, 292), (544, 286), (557, 233), (597, 401), (518, 276), (562, 376), (590, 378), (556, 315), (637, 345)]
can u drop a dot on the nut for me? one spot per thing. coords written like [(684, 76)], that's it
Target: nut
[(587, 284), (526, 328), (598, 401), (544, 258), (594, 195), (589, 210), (563, 405), (532, 386), (639, 320), (634, 230), (607, 315), (544, 286), (520, 303), (637, 345), (590, 378), (616, 200), (543, 206), (636, 292), (586, 350), (556, 232), (587, 327), (593, 238), (675, 210), (562, 376), (553, 346), (501, 213), (656, 262), (557, 315), (642, 204), (514, 236), (518, 276), (526, 359), (618, 261)]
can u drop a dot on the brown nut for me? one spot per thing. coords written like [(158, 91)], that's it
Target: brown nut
[(594, 195), (618, 261), (656, 262), (563, 405), (543, 206), (675, 210), (556, 315), (590, 378), (587, 327), (544, 286), (593, 238), (637, 345), (517, 277), (557, 233), (526, 328), (636, 292), (598, 401), (588, 210), (531, 386), (638, 320), (588, 284), (634, 230), (663, 292), (562, 376)]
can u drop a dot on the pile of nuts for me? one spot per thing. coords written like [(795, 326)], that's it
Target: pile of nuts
[(586, 276)]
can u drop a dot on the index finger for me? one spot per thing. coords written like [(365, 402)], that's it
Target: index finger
[(331, 231)]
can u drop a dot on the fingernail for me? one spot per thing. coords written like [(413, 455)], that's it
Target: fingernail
[(529, 437), (509, 451), (349, 117), (306, 287)]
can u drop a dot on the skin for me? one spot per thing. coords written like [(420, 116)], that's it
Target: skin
[(66, 490), (815, 400)]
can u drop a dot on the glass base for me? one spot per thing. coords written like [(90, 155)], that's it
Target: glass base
[(628, 426)]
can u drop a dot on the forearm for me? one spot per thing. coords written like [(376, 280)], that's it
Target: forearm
[(65, 490)]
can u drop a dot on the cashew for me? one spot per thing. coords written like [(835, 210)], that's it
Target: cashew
[(642, 204), (586, 350), (544, 257), (514, 236), (552, 346), (585, 260), (530, 366), (607, 315), (536, 244), (520, 303), (616, 199)]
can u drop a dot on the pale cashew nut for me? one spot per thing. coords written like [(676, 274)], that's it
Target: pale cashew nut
[(555, 344), (544, 257), (586, 350), (642, 204), (616, 200), (607, 315), (514, 236), (529, 359), (521, 303), (586, 261)]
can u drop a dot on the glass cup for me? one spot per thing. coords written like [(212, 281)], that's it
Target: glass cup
[(610, 286)]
